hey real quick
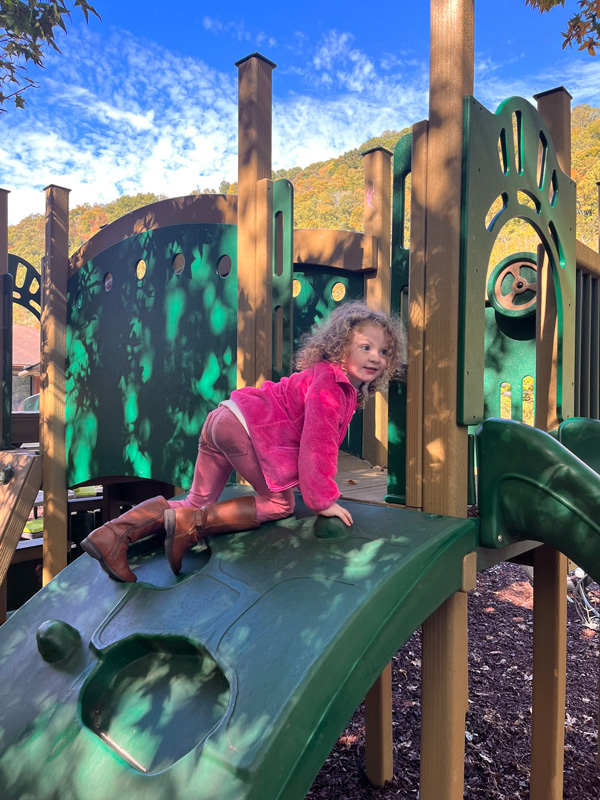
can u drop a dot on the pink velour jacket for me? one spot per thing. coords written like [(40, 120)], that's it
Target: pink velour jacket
[(296, 426)]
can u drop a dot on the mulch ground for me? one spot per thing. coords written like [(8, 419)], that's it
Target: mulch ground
[(497, 745)]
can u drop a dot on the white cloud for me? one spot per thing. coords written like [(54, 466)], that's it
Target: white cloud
[(117, 115), (212, 24)]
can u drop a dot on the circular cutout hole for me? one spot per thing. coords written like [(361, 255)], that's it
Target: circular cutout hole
[(224, 266), (140, 269), (108, 281), (296, 287), (338, 292), (178, 263), (153, 699)]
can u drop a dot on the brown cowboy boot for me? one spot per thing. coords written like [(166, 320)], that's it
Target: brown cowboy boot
[(185, 526), (108, 544)]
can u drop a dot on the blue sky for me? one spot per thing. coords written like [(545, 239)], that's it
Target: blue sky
[(145, 101)]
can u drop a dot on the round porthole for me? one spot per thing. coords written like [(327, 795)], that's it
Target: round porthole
[(338, 292), (224, 266), (140, 269), (178, 263), (108, 282)]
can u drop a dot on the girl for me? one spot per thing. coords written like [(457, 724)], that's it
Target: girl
[(276, 437)]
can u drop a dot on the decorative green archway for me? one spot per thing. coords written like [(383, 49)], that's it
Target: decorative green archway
[(510, 170)]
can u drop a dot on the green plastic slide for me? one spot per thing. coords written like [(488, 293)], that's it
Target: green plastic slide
[(532, 487), (233, 680)]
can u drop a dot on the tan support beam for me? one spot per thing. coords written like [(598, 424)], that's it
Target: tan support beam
[(445, 457), (549, 669), (550, 567), (254, 164), (330, 248), (444, 700), (451, 79), (416, 319), (469, 573), (52, 386), (379, 738), (378, 222)]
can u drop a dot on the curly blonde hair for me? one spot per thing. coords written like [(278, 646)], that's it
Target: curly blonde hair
[(331, 340)]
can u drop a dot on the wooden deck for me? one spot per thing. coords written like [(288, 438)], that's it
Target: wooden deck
[(359, 480)]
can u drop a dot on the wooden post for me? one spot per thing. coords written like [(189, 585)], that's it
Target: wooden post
[(445, 443), (550, 566), (5, 329), (549, 670), (379, 751), (444, 670), (52, 387), (416, 320), (254, 164), (444, 700), (378, 222)]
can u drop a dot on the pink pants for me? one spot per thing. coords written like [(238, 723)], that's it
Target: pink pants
[(225, 445)]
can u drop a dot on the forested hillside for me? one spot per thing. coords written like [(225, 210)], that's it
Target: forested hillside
[(329, 194)]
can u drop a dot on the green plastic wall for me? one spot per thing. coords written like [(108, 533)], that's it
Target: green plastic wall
[(396, 488), (148, 359)]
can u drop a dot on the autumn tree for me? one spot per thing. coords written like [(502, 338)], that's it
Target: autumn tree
[(583, 27), (27, 29)]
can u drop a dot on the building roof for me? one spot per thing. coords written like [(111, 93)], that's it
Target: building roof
[(26, 346)]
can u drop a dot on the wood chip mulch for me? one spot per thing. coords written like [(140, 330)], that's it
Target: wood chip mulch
[(497, 746)]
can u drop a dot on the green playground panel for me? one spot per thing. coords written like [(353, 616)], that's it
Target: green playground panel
[(516, 175), (582, 437), (318, 291), (232, 680), (151, 343), (532, 487), (282, 276), (396, 488), (509, 359), (27, 288)]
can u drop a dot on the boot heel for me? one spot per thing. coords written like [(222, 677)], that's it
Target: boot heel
[(91, 549), (169, 523)]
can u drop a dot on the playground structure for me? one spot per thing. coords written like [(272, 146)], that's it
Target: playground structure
[(106, 358)]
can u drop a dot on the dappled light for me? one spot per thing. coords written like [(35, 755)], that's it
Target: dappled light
[(149, 344), (153, 700), (177, 680)]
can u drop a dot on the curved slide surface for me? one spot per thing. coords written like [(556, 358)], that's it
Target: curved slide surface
[(231, 681), (532, 487)]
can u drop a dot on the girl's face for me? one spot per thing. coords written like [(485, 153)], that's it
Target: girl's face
[(367, 355)]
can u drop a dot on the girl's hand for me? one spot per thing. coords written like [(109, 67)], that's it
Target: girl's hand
[(336, 510)]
